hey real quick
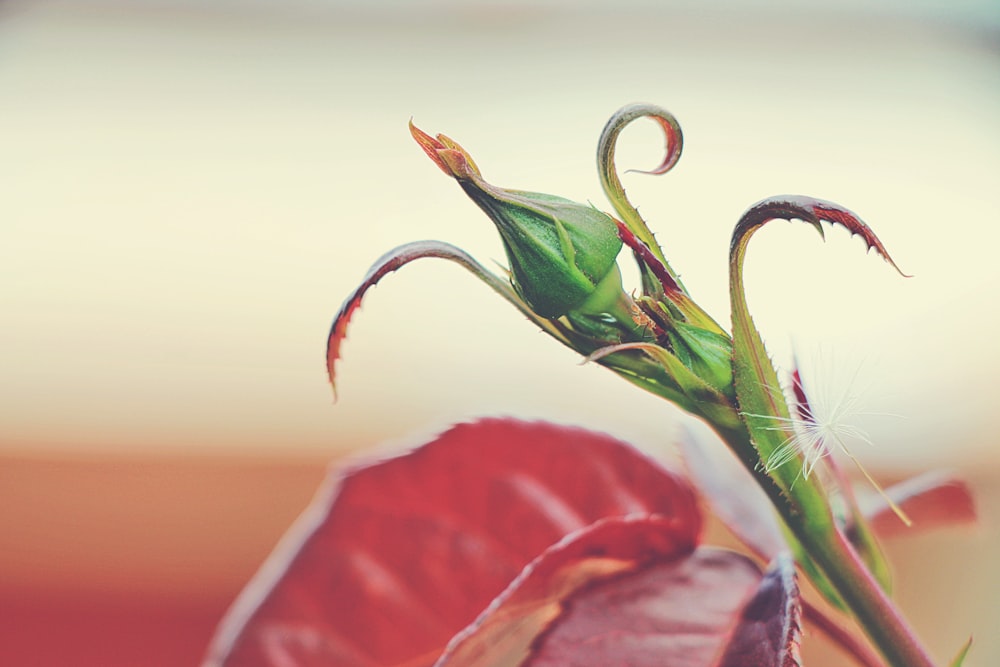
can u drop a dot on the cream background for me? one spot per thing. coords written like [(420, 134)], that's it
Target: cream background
[(190, 191)]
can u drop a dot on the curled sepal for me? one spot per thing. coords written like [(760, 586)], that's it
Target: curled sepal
[(399, 257), (653, 266), (758, 391), (768, 631), (610, 181), (808, 209)]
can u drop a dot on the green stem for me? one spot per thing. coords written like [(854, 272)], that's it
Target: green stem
[(874, 610), (838, 560)]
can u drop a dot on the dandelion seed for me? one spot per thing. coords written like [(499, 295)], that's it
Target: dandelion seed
[(821, 423)]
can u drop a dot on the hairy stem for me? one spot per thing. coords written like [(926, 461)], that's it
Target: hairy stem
[(834, 555)]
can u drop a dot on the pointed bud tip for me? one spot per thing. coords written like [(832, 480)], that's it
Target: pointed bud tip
[(430, 145), (446, 154)]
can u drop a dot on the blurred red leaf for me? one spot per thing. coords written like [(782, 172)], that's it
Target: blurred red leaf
[(395, 557), (931, 500), (675, 612), (591, 600)]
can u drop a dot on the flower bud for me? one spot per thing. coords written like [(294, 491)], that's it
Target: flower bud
[(560, 252)]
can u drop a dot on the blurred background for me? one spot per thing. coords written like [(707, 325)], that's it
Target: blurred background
[(191, 188)]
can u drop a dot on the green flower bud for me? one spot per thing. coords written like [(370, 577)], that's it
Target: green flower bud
[(562, 254)]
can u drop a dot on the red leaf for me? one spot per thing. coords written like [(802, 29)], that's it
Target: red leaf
[(395, 557), (540, 604), (669, 612), (614, 593), (768, 631)]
